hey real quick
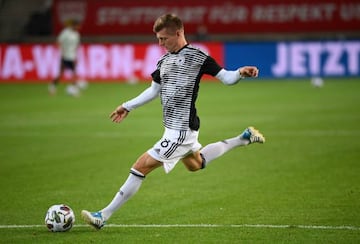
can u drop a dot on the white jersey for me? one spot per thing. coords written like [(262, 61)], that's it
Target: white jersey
[(179, 76), (69, 41)]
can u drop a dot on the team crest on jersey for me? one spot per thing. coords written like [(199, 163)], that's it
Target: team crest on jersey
[(180, 60)]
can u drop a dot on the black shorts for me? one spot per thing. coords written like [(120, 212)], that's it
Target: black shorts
[(68, 64)]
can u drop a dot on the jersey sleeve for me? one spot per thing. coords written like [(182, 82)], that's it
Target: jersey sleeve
[(156, 76), (211, 67)]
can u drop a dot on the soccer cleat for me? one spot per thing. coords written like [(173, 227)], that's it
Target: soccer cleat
[(253, 135), (94, 219)]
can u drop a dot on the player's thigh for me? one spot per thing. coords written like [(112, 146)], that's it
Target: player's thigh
[(145, 164), (193, 161)]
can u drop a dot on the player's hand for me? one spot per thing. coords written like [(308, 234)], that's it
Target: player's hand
[(249, 71), (119, 114)]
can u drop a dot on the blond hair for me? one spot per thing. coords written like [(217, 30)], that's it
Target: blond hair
[(169, 21)]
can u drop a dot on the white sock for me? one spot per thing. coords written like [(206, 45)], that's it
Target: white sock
[(127, 190), (215, 150)]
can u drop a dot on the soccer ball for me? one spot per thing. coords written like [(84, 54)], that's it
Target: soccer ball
[(59, 218), (317, 82)]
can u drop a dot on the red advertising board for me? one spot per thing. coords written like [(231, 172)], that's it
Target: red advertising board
[(96, 62), (112, 17)]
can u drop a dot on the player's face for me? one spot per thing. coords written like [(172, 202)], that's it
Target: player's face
[(168, 40)]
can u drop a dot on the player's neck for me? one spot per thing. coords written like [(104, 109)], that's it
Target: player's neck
[(181, 45)]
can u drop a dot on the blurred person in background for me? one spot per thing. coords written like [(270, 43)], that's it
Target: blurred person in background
[(69, 42), (176, 81)]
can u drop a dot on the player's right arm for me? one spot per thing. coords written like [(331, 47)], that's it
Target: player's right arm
[(120, 113)]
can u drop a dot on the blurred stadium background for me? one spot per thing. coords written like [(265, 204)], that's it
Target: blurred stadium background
[(302, 186), (286, 39)]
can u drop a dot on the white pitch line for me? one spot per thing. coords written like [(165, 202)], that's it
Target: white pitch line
[(261, 226)]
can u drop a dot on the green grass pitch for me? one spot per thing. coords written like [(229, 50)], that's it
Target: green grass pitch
[(301, 186)]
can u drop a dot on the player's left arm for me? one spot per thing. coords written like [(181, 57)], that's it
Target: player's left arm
[(229, 77)]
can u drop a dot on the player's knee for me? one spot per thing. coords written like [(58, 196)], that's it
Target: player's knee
[(194, 162), (193, 168), (191, 165)]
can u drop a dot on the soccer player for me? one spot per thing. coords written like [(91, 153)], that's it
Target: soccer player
[(176, 80), (69, 41)]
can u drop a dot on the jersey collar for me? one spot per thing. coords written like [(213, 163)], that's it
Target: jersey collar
[(187, 44)]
